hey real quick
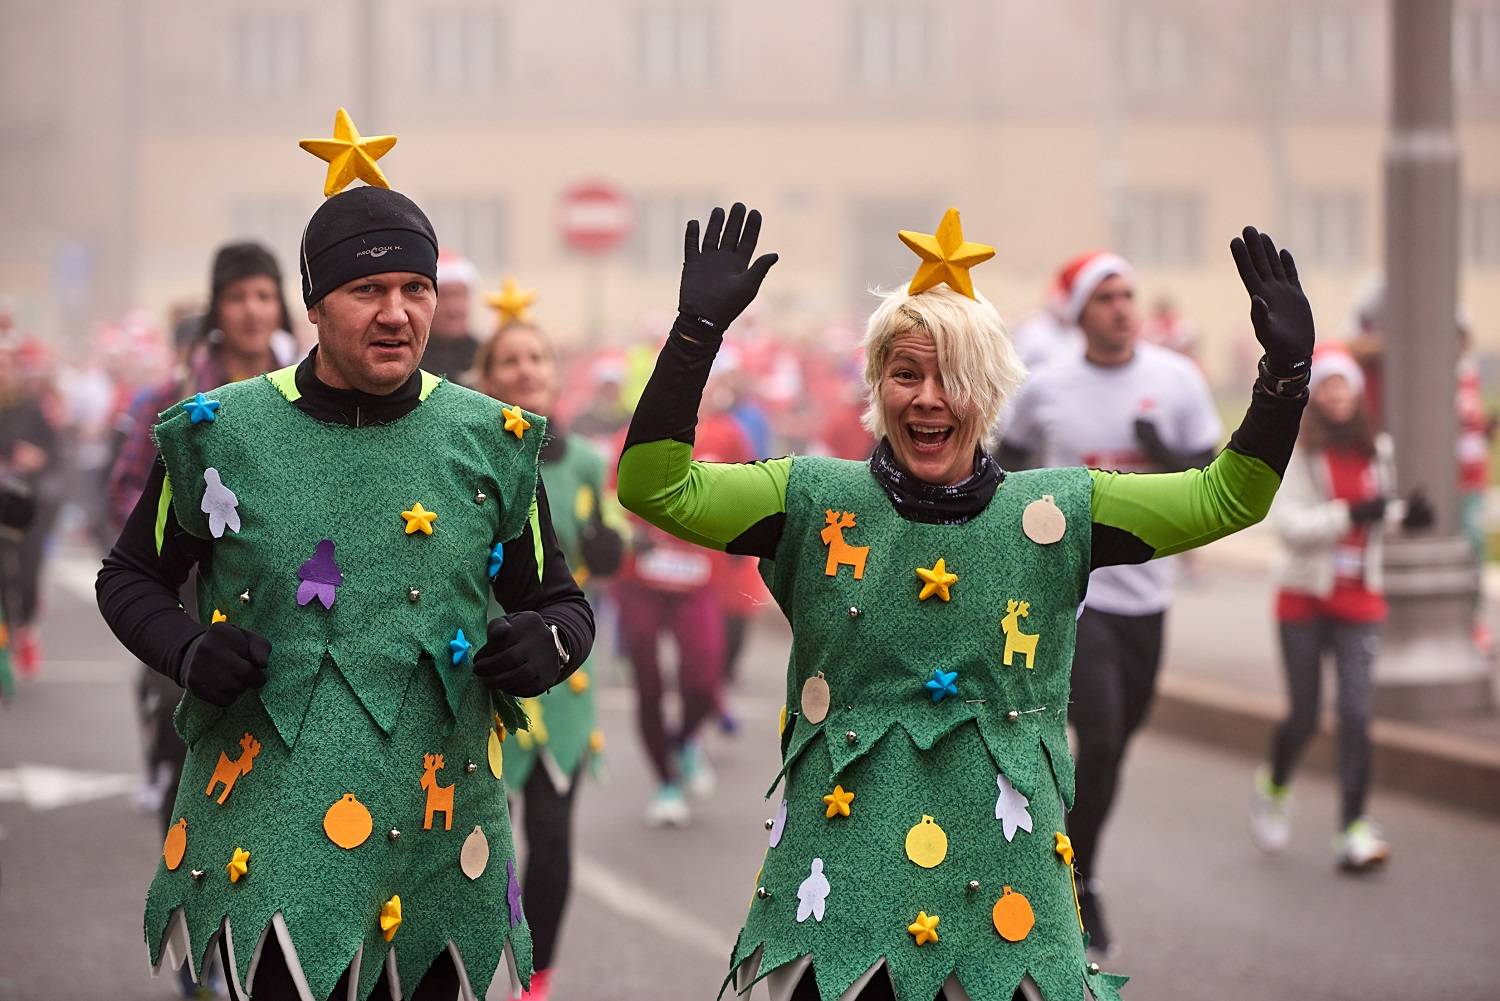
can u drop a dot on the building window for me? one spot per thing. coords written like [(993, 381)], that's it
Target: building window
[(1156, 51), (1481, 229), (1163, 228), (655, 243), (1326, 47), (1476, 46), (474, 227), (463, 49), (267, 54), (1328, 228), (893, 44), (676, 45)]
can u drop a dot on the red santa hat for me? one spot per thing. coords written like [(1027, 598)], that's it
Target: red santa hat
[(1082, 275), (454, 268), (1334, 359)]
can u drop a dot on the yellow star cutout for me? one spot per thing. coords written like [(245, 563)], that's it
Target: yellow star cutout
[(838, 802), (218, 616), (350, 155), (596, 741), (578, 682), (946, 256), (936, 581), (238, 865), (515, 420), (1064, 847), (390, 917), (924, 929), (419, 519), (512, 303)]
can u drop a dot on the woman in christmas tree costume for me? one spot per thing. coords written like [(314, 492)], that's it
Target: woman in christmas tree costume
[(546, 762), (342, 828), (932, 598)]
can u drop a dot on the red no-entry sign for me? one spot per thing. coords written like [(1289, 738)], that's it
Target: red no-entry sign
[(595, 217)]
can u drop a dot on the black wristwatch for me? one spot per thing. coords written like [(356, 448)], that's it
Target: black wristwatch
[(1289, 387)]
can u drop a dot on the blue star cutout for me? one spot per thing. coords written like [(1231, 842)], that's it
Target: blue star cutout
[(200, 408), (497, 559), (459, 648), (942, 683)]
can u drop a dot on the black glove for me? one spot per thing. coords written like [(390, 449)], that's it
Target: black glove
[(1149, 438), (1366, 512), (718, 280), (601, 547), (224, 662), (1279, 311), (520, 657), (1419, 513)]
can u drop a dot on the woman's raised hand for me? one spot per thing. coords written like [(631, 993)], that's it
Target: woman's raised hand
[(1281, 315), (718, 278)]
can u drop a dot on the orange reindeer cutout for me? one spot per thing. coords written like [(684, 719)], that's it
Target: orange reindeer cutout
[(439, 798), (229, 772), (1015, 640), (840, 553)]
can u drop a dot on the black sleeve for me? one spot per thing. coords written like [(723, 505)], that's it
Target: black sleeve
[(1269, 429), (554, 593), (137, 588), (668, 407)]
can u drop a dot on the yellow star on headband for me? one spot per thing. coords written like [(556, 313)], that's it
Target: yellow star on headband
[(419, 519), (512, 303), (936, 581), (924, 929), (515, 420), (350, 155), (946, 256)]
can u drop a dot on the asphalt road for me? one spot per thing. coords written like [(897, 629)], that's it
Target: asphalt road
[(1197, 912)]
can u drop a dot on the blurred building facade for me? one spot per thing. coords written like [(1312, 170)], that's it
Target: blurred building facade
[(141, 133)]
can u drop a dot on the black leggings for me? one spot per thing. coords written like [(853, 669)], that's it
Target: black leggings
[(1354, 646), (548, 819), (273, 981), (1114, 681), (878, 989)]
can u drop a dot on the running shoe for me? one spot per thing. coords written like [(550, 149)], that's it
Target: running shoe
[(668, 808), (1270, 820), (27, 650), (697, 774), (1361, 848)]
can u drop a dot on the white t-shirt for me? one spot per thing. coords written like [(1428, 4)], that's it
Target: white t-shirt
[(1075, 413)]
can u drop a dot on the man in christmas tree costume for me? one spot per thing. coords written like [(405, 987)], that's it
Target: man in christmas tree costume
[(340, 833), (918, 846)]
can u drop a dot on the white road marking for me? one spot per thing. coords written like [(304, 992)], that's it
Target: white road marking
[(44, 787), (632, 901)]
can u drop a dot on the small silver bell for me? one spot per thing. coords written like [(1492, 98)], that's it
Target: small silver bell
[(770, 823), (196, 874), (469, 766), (1012, 716), (851, 737), (973, 886), (1093, 969), (854, 612), (479, 497), (763, 893), (394, 834), (413, 596), (245, 596)]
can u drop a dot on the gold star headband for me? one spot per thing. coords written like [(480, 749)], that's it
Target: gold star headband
[(512, 304), (350, 155), (946, 256)]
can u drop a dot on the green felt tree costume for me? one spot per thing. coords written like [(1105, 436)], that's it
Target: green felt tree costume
[(562, 721), (923, 751), (371, 721)]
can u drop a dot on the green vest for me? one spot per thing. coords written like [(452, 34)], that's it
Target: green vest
[(561, 722), (371, 722), (959, 781)]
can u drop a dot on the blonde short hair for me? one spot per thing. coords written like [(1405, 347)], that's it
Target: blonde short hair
[(980, 366)]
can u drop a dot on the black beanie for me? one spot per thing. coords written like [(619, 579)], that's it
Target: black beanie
[(364, 231)]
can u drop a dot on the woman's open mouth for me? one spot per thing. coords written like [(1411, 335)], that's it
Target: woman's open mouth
[(929, 437)]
